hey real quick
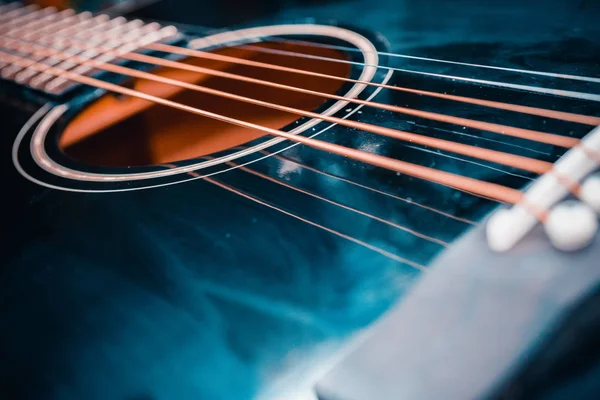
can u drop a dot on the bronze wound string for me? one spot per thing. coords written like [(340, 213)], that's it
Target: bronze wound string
[(17, 35), (528, 164), (491, 190), (583, 119), (274, 38), (528, 134), (540, 112)]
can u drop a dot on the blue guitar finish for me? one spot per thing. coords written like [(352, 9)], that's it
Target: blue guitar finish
[(189, 291)]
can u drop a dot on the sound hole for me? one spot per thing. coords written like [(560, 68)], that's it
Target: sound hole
[(123, 131)]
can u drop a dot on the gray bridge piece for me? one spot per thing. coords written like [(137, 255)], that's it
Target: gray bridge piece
[(469, 324)]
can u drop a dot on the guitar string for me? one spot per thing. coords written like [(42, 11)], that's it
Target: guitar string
[(340, 205), (65, 25), (483, 66), (264, 203), (286, 159), (541, 112), (488, 189), (17, 16), (525, 163), (592, 122), (480, 165), (70, 23), (279, 39), (588, 96), (574, 187), (542, 137), (584, 119), (535, 89), (364, 244), (371, 189), (567, 182), (25, 21), (406, 200), (307, 221), (314, 195), (48, 16), (437, 60), (475, 137), (387, 194), (335, 203), (286, 310), (589, 120), (44, 109), (542, 90)]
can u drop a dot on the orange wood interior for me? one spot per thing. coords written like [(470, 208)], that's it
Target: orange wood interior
[(126, 131)]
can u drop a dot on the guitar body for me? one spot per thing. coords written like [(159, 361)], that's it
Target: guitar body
[(178, 258)]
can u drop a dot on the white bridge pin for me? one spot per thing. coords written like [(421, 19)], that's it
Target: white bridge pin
[(571, 225), (590, 191), (499, 228)]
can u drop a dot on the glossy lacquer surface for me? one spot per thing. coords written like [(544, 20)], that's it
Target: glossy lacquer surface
[(191, 291)]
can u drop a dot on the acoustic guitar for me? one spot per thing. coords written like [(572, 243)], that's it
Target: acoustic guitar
[(337, 200)]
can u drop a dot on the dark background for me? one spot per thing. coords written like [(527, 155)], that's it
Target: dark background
[(228, 12)]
